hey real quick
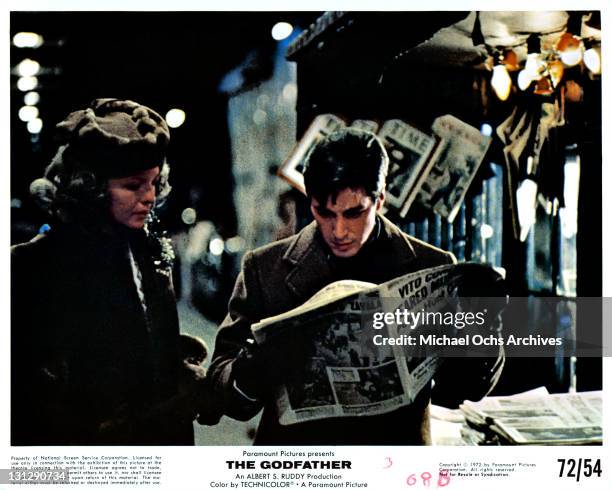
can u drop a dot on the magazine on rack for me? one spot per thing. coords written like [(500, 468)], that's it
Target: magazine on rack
[(459, 155), (411, 155), (292, 169), (345, 371), (433, 171), (409, 152)]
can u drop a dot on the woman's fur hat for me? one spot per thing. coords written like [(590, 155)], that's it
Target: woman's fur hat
[(114, 138)]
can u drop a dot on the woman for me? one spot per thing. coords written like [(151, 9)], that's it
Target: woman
[(95, 338)]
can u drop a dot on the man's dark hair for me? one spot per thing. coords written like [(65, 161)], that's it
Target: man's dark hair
[(347, 158)]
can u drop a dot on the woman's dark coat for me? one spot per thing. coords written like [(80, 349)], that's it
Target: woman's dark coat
[(89, 366)]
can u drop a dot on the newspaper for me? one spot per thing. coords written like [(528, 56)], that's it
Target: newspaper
[(292, 169), (409, 150), (449, 427), (569, 418), (344, 373), (461, 152)]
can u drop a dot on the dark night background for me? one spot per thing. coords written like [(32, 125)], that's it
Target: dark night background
[(161, 59)]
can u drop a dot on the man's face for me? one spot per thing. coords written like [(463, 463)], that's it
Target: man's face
[(346, 224)]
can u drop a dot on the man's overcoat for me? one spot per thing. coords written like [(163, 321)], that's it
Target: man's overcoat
[(281, 276)]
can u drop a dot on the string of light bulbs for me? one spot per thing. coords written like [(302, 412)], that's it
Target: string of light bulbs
[(543, 69)]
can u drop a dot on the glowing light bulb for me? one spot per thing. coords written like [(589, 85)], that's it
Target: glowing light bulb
[(571, 57), (533, 65), (592, 59), (501, 82), (524, 79), (570, 48)]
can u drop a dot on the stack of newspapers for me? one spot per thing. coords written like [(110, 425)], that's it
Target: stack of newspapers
[(534, 417)]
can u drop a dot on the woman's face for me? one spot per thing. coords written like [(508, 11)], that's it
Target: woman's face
[(132, 197)]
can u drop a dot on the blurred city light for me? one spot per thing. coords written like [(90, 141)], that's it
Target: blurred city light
[(216, 246), (290, 92), (35, 125), (486, 231), (189, 216), (263, 100), (486, 129), (28, 68), (27, 40), (28, 113), (31, 98), (259, 117), (281, 30), (235, 244), (175, 117), (25, 84)]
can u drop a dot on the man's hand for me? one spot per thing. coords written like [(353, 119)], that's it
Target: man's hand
[(259, 369), (483, 290)]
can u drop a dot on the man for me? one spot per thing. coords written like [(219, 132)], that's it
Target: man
[(345, 181)]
